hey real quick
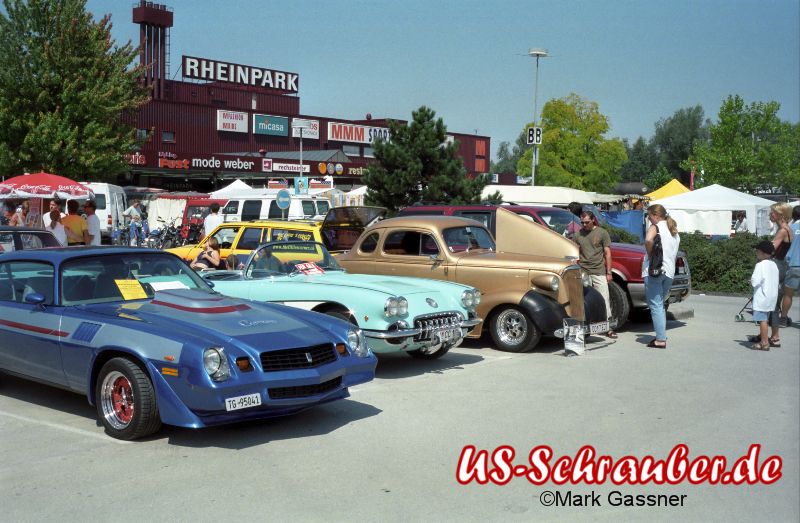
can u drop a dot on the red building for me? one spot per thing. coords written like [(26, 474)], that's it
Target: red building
[(225, 120)]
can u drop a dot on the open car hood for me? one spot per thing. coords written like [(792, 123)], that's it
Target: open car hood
[(519, 235), (343, 225)]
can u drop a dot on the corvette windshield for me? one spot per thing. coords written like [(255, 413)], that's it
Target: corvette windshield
[(278, 258), (460, 239), (124, 277)]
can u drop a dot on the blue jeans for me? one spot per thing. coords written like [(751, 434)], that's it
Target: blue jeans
[(656, 290), (137, 236)]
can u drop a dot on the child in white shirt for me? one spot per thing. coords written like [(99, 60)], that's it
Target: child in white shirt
[(765, 292)]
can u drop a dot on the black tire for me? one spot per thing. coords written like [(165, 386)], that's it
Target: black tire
[(422, 355), (513, 331), (620, 305), (166, 244), (125, 400), (342, 316)]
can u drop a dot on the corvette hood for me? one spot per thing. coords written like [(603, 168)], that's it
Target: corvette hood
[(390, 285), (182, 314)]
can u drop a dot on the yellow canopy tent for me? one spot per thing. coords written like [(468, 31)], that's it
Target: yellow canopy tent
[(670, 189)]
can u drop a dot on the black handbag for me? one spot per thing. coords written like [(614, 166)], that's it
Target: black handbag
[(656, 258)]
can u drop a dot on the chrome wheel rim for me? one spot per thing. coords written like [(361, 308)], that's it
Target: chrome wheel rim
[(116, 400), (512, 327)]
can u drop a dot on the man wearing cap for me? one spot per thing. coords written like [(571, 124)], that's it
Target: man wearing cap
[(765, 293)]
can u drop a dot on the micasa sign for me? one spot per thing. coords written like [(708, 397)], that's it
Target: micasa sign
[(216, 71)]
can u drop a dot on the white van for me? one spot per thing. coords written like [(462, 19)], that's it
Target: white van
[(111, 203), (247, 208)]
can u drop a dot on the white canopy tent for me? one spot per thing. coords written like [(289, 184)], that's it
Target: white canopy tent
[(708, 210), (538, 195), (236, 186)]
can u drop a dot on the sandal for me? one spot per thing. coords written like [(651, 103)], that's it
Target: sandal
[(612, 335), (758, 346), (654, 345), (774, 343)]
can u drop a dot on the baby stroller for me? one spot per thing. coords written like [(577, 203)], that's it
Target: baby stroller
[(740, 315)]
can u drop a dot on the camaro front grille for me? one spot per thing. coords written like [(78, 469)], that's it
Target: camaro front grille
[(301, 358), (433, 323), (280, 393)]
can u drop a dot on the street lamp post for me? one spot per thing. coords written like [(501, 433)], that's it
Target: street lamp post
[(536, 52), (301, 125)]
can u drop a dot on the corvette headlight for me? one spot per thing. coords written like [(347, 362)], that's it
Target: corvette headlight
[(477, 296), (468, 299), (390, 307), (216, 364), (402, 306), (586, 279), (357, 342)]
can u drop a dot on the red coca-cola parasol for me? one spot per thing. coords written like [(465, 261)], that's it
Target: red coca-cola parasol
[(43, 185)]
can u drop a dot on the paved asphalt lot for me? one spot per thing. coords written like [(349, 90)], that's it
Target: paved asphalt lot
[(390, 451)]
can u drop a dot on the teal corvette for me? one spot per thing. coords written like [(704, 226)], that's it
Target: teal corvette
[(423, 317)]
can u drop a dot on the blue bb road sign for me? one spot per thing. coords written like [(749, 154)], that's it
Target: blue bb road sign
[(283, 199)]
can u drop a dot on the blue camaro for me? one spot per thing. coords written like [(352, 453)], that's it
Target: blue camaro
[(149, 341)]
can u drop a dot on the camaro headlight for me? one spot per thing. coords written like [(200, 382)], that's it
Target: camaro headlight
[(586, 279), (358, 343), (392, 307), (216, 363)]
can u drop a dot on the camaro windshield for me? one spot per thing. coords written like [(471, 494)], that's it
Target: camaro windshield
[(288, 258), (123, 277), (460, 239)]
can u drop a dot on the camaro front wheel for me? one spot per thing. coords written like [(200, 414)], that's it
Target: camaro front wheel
[(126, 401), (513, 331)]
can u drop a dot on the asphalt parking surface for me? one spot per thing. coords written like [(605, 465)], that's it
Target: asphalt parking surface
[(390, 452)]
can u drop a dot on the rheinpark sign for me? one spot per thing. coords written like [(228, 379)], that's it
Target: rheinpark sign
[(216, 71)]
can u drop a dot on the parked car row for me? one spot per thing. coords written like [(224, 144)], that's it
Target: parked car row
[(150, 341)]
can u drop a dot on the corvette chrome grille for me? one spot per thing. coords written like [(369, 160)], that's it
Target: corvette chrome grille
[(432, 323), (301, 358), (279, 393)]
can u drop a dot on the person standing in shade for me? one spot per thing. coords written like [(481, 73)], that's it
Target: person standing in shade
[(594, 245), (212, 221), (656, 288), (92, 222), (781, 215), (134, 213), (75, 225), (56, 227)]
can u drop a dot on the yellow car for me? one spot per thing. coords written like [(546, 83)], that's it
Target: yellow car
[(241, 238)]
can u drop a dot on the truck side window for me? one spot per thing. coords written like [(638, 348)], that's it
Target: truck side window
[(251, 210)]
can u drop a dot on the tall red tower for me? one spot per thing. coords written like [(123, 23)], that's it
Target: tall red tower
[(154, 22)]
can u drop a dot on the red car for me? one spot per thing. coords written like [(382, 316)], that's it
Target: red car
[(627, 289)]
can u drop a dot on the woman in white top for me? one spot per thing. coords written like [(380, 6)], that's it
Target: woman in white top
[(656, 288), (56, 228)]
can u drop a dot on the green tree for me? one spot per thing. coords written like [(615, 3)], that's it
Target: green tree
[(418, 164), (574, 151), (675, 137), (642, 161), (64, 87), (750, 148), (508, 157), (658, 178)]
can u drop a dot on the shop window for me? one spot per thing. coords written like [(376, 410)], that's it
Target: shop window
[(480, 148), (369, 152), (480, 165), (351, 150), (168, 136), (141, 134)]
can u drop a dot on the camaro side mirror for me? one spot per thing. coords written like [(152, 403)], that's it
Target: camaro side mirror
[(35, 298)]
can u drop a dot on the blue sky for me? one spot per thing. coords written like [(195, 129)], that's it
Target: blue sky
[(639, 60)]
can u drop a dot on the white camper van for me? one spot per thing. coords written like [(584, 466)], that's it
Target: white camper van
[(111, 203), (265, 207)]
